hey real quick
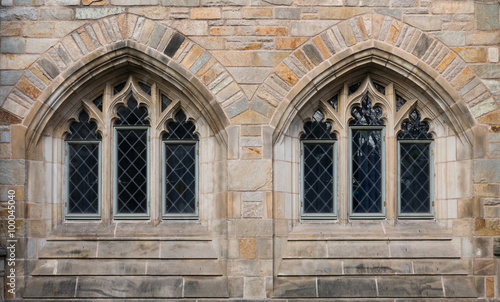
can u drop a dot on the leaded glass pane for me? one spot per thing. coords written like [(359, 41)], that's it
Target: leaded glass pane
[(317, 129), (132, 161), (83, 130), (415, 178), (379, 88), (334, 102), (366, 171), (132, 114), (366, 115), (399, 102), (180, 178), (145, 87), (83, 178), (180, 129), (98, 102), (118, 88), (414, 128), (318, 181), (353, 88), (165, 102)]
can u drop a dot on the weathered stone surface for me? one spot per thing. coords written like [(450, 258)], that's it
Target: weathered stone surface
[(136, 2), (441, 267), (424, 249), (188, 249), (486, 71), (12, 171), (249, 75), (411, 286), (377, 267), (483, 38), (205, 13), (10, 77), (253, 228), (128, 249), (128, 286), (472, 54), (426, 23), (346, 287), (180, 2), (305, 249), (310, 267), (13, 45), (309, 28), (358, 249), (451, 39), (486, 171), (452, 7), (69, 249), (459, 287), (205, 287), (249, 175), (341, 13), (254, 288), (54, 287), (97, 13), (295, 287), (488, 16), (191, 267), (287, 13), (12, 14)]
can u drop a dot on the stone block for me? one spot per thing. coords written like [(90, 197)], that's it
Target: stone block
[(128, 249), (358, 249), (205, 13), (39, 45), (305, 249), (135, 2), (129, 286), (287, 13), (248, 248), (205, 287), (249, 75), (483, 38), (254, 228), (68, 249), (471, 54), (13, 45), (310, 267), (257, 13), (120, 267), (486, 71), (249, 175), (488, 16), (452, 7), (97, 13), (377, 267), (441, 267), (14, 14), (254, 288), (295, 287), (53, 287), (424, 249), (395, 13), (459, 286), (411, 286), (180, 2), (156, 13), (310, 28), (188, 249), (289, 43), (425, 23), (493, 54), (347, 287), (486, 171), (403, 3), (12, 171), (252, 209), (10, 77), (484, 267)]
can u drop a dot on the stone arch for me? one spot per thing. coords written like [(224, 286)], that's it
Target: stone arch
[(388, 44), (106, 44)]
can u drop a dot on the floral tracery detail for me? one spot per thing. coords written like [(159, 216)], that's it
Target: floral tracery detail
[(366, 115), (414, 128)]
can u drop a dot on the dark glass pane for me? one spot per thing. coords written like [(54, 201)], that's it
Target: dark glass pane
[(145, 87), (132, 115), (119, 88), (399, 102), (83, 130), (414, 128), (83, 178), (415, 178), (379, 88), (98, 103), (180, 178), (366, 115), (317, 129), (165, 102), (353, 88), (318, 178), (132, 161), (334, 102), (367, 171), (180, 129)]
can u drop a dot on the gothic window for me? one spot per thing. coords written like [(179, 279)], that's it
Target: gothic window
[(83, 169), (318, 168), (415, 168)]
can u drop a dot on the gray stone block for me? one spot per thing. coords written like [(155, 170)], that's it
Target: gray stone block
[(12, 171), (68, 249), (305, 249), (313, 54), (49, 67), (13, 14), (393, 12), (486, 71), (458, 286), (451, 38), (347, 287), (488, 16), (60, 13), (358, 249), (310, 267), (4, 92), (295, 287), (13, 45), (128, 249), (180, 2), (405, 3), (424, 249), (288, 13), (134, 2), (188, 249), (254, 228), (129, 286), (486, 171), (442, 266), (29, 2), (377, 267), (410, 286), (120, 267), (62, 2), (205, 287), (50, 287), (184, 267), (97, 13), (10, 77)]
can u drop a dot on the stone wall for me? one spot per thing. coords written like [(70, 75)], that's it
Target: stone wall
[(251, 72)]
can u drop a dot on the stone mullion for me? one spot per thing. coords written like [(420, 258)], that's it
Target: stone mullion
[(107, 158)]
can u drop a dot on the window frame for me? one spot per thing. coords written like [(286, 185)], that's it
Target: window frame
[(368, 216), (319, 216), (179, 216), (131, 216), (73, 216), (417, 216)]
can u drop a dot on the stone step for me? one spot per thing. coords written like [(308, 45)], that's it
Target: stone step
[(339, 267), (128, 267), (125, 287), (129, 249), (381, 287), (344, 249)]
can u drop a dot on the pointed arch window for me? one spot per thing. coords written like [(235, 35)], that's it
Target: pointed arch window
[(83, 169), (318, 153), (415, 169)]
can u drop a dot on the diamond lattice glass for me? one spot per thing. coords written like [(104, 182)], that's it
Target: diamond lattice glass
[(415, 177), (83, 178), (317, 128), (180, 129), (318, 178), (366, 171), (180, 178)]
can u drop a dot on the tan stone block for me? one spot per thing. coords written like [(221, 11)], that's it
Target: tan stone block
[(487, 227), (156, 13), (486, 190), (15, 61), (95, 2), (271, 31), (249, 117), (251, 131), (341, 13), (346, 31), (490, 287), (192, 56), (286, 74), (210, 42), (8, 29), (121, 20), (86, 39), (18, 142), (206, 67), (452, 7), (464, 77), (28, 88), (484, 107), (251, 153), (289, 43), (38, 29), (205, 13), (446, 62), (320, 44), (303, 59), (394, 31), (248, 248), (427, 23), (483, 38), (233, 58), (492, 118), (249, 175), (257, 13), (5, 151), (472, 54)]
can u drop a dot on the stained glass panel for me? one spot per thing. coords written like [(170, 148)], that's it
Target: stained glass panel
[(334, 102), (317, 129), (98, 102), (165, 102), (132, 114), (414, 128), (180, 129), (84, 129), (118, 88), (366, 115)]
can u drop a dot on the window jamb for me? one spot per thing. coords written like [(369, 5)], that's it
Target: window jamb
[(382, 214), (416, 216)]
